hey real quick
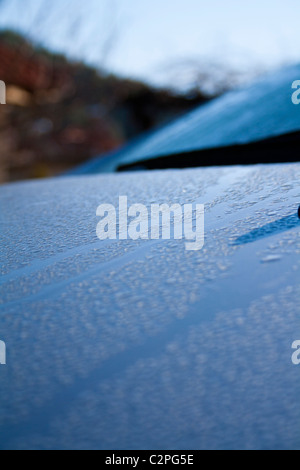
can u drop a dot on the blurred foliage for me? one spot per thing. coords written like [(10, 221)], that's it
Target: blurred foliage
[(61, 113)]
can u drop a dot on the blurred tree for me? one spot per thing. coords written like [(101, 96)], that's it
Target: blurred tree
[(60, 113)]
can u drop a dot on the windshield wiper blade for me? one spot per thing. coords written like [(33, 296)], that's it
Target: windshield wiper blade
[(280, 149)]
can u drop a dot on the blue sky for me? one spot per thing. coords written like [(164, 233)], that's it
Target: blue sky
[(163, 41)]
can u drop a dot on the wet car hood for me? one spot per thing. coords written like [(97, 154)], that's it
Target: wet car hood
[(144, 345)]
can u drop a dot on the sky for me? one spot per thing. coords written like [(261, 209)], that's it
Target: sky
[(164, 41)]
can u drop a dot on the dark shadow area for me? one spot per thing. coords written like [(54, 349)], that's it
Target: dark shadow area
[(268, 230), (282, 149)]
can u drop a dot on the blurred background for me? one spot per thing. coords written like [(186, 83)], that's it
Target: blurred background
[(83, 78)]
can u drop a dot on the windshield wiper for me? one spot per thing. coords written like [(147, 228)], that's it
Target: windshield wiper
[(280, 149)]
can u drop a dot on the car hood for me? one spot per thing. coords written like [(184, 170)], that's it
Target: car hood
[(142, 344)]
